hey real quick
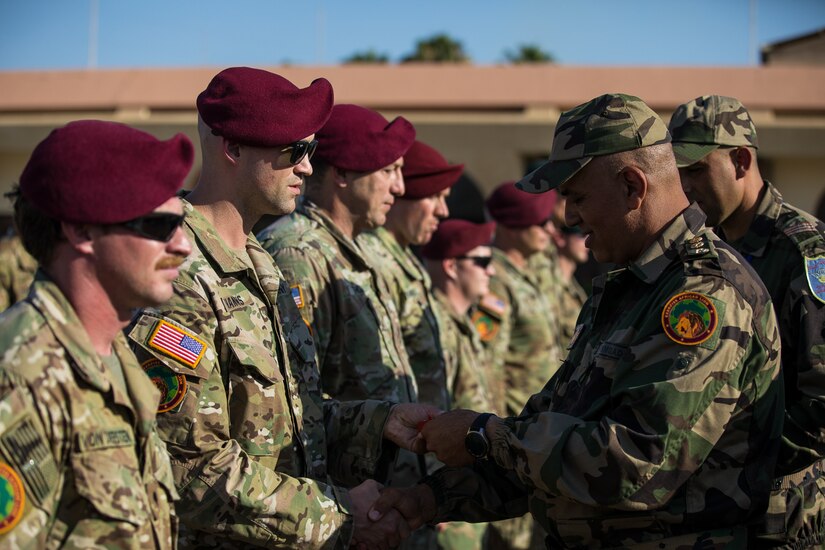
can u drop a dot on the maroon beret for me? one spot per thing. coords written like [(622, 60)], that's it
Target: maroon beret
[(512, 207), (426, 172), (91, 171), (359, 139), (455, 238), (263, 109)]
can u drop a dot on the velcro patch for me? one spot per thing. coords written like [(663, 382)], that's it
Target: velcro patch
[(815, 271), (172, 385), (493, 304), (13, 498), (298, 296), (690, 318), (104, 439), (486, 326), (177, 343), (27, 452)]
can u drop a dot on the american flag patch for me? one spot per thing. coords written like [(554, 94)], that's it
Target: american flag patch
[(298, 295), (172, 341)]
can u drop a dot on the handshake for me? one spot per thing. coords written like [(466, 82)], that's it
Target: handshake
[(383, 517)]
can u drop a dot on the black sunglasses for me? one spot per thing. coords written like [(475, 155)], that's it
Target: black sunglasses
[(574, 230), (300, 149), (480, 261), (158, 226)]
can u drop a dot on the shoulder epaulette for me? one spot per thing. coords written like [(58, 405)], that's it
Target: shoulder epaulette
[(698, 247), (808, 238)]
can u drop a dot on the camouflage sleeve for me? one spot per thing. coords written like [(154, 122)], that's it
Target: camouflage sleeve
[(224, 470), (356, 449), (302, 270), (30, 480), (803, 358), (469, 384), (666, 406), (482, 492)]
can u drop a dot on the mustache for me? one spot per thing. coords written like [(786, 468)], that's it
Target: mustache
[(170, 262)]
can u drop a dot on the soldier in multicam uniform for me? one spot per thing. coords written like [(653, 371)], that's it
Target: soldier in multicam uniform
[(17, 269), (715, 144), (569, 251), (661, 428), (458, 260), (339, 293), (411, 221), (253, 443), (81, 462)]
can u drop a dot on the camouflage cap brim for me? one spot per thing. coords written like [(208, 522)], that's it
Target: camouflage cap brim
[(690, 153), (551, 175)]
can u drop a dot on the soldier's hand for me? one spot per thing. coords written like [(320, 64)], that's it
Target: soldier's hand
[(416, 505), (386, 533), (445, 436), (405, 423)]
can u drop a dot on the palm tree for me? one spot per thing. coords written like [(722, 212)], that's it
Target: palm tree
[(529, 53), (438, 48)]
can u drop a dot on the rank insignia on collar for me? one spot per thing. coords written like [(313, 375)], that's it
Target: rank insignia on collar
[(172, 385), (177, 343), (815, 272), (690, 318), (486, 326), (298, 296), (13, 497)]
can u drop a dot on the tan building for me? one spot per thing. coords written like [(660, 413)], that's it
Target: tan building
[(495, 119)]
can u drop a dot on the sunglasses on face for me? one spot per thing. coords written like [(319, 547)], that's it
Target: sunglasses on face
[(300, 149), (158, 226), (480, 261)]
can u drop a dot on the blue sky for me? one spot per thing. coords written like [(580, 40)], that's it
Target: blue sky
[(55, 34)]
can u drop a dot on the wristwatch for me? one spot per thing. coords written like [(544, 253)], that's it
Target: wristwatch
[(476, 441)]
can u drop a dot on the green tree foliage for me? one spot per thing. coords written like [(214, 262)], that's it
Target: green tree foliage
[(438, 48), (368, 56), (529, 53)]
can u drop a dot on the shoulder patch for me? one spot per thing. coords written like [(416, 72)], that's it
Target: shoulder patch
[(28, 454), (690, 318), (486, 326), (177, 343), (12, 498), (493, 304), (797, 228), (815, 271), (298, 296), (172, 385)]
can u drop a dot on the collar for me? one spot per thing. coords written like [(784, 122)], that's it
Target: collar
[(320, 216), (650, 265), (756, 240), (404, 257)]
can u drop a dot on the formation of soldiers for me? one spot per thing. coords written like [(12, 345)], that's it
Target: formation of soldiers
[(366, 372)]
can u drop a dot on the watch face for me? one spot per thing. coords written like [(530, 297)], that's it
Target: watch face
[(476, 444)]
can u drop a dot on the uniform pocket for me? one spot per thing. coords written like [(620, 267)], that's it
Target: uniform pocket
[(109, 480), (259, 415)]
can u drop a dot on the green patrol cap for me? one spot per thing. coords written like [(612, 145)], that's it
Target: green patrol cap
[(707, 123), (608, 124)]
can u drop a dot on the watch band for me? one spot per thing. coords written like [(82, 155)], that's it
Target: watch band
[(480, 422)]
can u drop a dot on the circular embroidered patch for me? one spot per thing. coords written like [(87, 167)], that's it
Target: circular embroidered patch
[(172, 385), (12, 498), (486, 327), (689, 318)]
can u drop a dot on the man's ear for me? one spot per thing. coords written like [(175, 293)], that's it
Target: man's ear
[(634, 182), (449, 266), (79, 236), (742, 160), (339, 176), (231, 150)]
